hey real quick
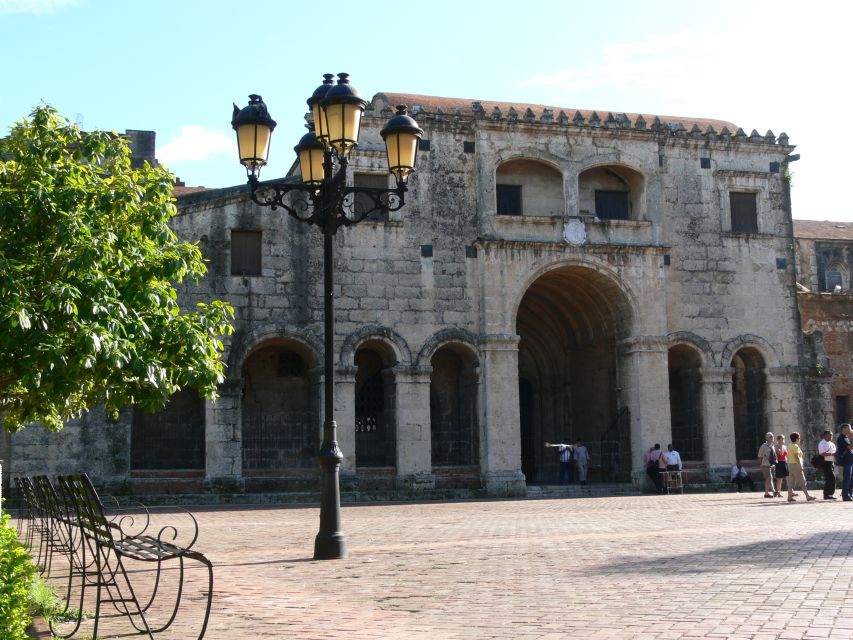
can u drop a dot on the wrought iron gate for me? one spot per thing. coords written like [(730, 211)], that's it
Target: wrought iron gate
[(278, 441)]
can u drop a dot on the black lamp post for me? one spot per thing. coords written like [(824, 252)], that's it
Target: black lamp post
[(323, 198)]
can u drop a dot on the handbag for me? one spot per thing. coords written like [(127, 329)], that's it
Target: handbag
[(817, 460)]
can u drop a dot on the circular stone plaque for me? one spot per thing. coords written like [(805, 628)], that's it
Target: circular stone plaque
[(575, 232)]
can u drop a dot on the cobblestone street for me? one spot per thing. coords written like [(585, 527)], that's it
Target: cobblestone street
[(693, 566)]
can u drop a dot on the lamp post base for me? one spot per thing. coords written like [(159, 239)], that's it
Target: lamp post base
[(330, 547)]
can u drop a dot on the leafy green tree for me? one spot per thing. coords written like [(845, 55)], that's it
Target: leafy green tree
[(88, 266)]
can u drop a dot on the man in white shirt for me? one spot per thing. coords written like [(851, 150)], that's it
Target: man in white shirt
[(673, 459), (740, 477), (826, 450), (565, 451)]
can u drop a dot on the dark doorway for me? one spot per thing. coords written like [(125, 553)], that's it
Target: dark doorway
[(748, 391), (374, 411), (528, 433), (569, 321), (171, 439), (280, 424), (685, 402), (453, 408)]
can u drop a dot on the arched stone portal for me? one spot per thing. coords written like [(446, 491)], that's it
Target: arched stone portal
[(279, 410), (685, 402), (454, 428), (570, 321), (749, 384), (375, 405)]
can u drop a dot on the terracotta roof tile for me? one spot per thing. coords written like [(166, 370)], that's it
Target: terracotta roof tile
[(182, 191), (823, 230), (430, 104)]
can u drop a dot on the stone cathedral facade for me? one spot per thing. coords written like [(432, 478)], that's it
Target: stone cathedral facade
[(556, 275)]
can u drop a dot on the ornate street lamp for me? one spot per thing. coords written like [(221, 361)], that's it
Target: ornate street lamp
[(322, 198)]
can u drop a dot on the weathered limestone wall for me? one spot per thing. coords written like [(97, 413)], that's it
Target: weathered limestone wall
[(446, 269), (831, 316), (94, 443)]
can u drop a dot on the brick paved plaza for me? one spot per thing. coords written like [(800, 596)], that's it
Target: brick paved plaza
[(693, 566)]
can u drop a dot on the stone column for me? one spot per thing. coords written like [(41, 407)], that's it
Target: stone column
[(718, 421), (644, 382), (223, 434), (345, 419), (784, 401), (414, 443), (500, 444)]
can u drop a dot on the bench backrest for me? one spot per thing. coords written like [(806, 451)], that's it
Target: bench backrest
[(81, 495)]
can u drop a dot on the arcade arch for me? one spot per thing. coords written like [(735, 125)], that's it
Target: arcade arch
[(685, 402), (611, 192), (454, 426), (375, 404), (749, 393), (526, 187), (570, 320), (279, 408)]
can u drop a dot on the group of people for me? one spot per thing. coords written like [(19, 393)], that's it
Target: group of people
[(779, 462), (657, 461), (571, 455)]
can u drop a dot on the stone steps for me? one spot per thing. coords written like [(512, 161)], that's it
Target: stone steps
[(361, 497)]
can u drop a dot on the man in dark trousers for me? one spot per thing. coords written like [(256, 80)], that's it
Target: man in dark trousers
[(565, 451), (844, 459), (653, 467), (826, 449)]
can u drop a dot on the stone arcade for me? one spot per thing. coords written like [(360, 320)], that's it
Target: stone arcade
[(614, 278)]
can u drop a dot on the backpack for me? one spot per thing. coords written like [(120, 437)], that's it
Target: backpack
[(771, 457)]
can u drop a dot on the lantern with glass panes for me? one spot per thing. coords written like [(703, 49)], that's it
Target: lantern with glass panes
[(322, 197)]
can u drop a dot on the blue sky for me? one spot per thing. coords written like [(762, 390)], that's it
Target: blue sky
[(176, 67)]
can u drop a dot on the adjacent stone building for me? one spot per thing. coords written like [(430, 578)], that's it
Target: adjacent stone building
[(556, 275), (824, 267)]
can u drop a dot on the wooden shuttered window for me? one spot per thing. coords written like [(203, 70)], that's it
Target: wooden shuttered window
[(245, 253), (508, 199), (744, 208), (612, 205)]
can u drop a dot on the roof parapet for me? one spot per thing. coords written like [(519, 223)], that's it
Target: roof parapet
[(442, 109)]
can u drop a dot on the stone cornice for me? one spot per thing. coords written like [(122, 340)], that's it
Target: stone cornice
[(499, 342), (716, 375), (490, 242), (643, 344)]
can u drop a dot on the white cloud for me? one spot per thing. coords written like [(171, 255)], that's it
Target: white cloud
[(756, 78), (669, 64), (37, 7), (194, 143)]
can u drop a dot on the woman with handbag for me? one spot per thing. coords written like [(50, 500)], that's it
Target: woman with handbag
[(782, 468)]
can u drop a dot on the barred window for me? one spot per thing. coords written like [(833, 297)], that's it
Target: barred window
[(245, 253), (744, 208)]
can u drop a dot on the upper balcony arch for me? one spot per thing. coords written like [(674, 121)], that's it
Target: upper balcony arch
[(529, 186), (612, 191)]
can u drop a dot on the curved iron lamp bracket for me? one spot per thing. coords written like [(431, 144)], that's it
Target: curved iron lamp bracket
[(329, 205)]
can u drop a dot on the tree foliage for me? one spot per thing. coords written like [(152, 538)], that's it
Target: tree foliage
[(88, 266)]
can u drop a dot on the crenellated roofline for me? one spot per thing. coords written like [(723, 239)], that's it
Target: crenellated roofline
[(426, 108)]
